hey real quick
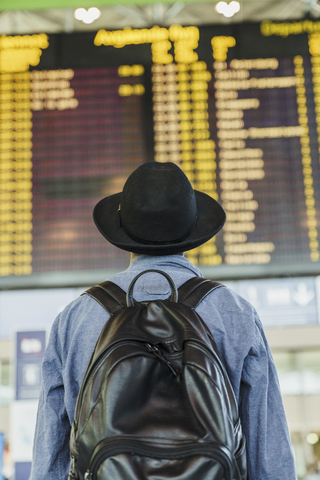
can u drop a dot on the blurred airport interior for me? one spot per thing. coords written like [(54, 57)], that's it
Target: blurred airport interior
[(230, 91)]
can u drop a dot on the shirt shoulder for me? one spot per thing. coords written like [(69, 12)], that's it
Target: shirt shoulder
[(233, 321), (227, 300), (79, 325)]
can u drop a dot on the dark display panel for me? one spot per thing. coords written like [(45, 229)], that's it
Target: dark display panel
[(79, 156), (237, 107)]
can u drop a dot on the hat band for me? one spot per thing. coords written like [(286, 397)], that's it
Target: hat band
[(155, 242)]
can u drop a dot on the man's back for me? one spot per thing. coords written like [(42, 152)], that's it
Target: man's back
[(243, 349)]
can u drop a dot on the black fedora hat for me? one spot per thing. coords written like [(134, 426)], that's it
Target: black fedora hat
[(158, 213)]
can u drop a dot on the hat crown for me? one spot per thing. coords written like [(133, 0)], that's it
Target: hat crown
[(158, 204)]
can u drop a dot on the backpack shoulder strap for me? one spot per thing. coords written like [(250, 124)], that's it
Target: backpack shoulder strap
[(195, 290), (109, 295)]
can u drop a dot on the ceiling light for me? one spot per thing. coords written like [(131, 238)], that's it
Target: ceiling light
[(87, 16), (228, 10), (312, 438)]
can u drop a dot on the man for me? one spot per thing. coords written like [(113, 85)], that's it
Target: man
[(157, 217)]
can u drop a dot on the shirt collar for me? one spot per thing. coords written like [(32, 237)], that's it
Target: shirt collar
[(144, 262)]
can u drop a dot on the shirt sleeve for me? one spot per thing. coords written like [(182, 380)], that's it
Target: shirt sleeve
[(51, 443), (264, 424)]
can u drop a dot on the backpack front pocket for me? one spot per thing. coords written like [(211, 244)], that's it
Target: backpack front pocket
[(133, 459)]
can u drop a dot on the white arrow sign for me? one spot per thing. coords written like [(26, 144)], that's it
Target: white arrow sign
[(302, 296)]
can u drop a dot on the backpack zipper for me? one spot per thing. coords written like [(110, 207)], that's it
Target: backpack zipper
[(116, 445), (155, 350)]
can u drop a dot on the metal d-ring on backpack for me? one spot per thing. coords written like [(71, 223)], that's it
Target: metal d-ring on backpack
[(156, 402)]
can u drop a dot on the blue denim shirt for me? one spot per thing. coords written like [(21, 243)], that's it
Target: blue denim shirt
[(244, 352)]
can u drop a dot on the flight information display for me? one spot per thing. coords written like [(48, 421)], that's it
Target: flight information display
[(237, 107)]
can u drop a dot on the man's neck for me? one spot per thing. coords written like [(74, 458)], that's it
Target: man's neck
[(133, 256)]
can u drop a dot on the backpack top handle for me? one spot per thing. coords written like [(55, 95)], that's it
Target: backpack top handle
[(174, 291)]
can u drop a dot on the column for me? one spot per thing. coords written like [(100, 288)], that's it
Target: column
[(16, 175), (306, 160)]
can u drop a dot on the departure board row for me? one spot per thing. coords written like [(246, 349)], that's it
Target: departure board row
[(237, 107)]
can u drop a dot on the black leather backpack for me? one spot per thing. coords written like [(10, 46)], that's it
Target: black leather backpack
[(156, 402)]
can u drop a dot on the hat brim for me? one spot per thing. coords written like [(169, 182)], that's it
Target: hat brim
[(210, 219)]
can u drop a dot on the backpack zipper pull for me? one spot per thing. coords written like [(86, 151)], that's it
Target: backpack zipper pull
[(155, 350), (72, 467)]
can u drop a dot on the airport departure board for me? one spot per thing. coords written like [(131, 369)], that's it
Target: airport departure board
[(236, 106)]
